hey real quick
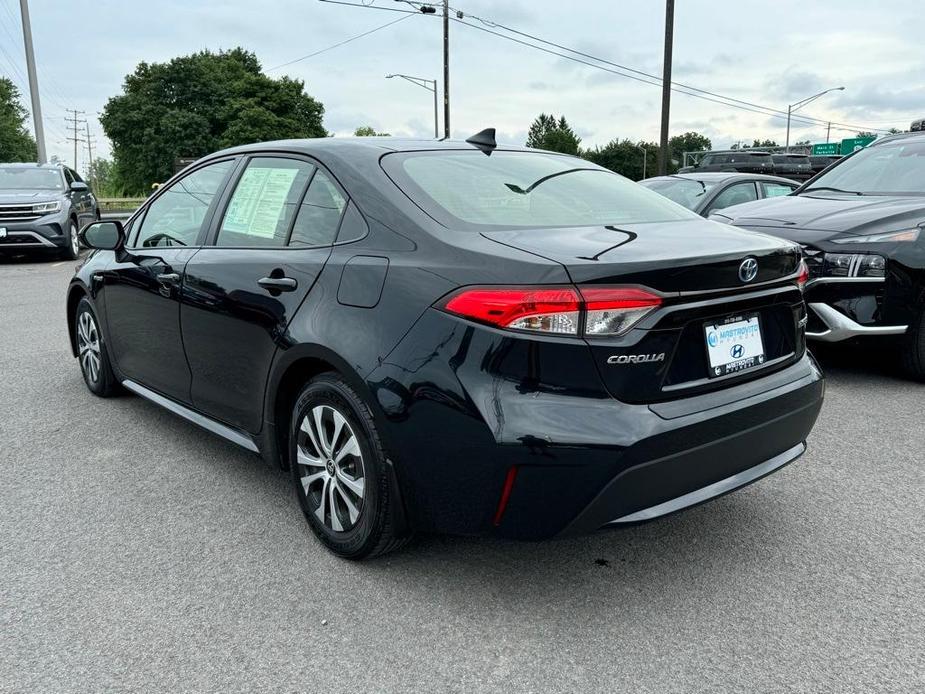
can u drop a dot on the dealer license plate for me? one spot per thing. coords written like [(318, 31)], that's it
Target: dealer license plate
[(734, 345)]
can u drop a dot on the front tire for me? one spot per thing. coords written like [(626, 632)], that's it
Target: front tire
[(913, 349), (72, 250), (92, 353), (340, 471)]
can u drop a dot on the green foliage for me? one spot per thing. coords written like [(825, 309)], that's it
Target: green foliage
[(197, 104), (103, 179), (625, 157), (688, 142), (555, 135), (368, 131), (16, 143)]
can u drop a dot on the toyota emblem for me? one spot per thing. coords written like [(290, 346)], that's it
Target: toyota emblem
[(748, 270)]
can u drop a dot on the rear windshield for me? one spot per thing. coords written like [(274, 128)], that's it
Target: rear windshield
[(468, 189), (28, 178), (684, 191)]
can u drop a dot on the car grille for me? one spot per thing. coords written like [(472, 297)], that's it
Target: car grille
[(17, 213), (815, 260)]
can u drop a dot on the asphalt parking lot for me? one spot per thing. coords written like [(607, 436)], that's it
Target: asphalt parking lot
[(141, 553)]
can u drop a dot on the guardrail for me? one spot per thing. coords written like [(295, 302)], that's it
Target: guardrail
[(119, 204)]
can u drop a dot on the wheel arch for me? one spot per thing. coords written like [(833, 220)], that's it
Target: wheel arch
[(74, 295), (289, 374)]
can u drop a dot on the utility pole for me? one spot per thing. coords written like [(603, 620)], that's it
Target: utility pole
[(663, 155), (89, 155), (446, 69), (33, 82), (828, 129), (75, 121)]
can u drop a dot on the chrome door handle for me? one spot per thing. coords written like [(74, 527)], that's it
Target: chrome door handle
[(278, 284)]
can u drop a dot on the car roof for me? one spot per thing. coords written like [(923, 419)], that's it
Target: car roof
[(343, 145), (897, 136), (722, 176)]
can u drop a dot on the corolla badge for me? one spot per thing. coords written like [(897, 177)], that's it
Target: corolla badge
[(748, 270), (635, 358)]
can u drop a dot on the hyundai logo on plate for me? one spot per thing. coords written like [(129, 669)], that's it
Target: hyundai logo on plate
[(737, 352), (748, 270)]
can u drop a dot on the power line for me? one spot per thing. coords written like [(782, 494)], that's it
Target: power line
[(804, 117), (762, 110), (345, 41), (623, 70)]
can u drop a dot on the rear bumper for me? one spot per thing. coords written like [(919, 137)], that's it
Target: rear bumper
[(457, 423)]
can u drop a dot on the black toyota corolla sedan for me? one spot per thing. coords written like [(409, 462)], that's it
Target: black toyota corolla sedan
[(862, 227), (453, 337)]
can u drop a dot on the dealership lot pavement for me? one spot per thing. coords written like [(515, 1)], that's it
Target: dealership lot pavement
[(138, 552)]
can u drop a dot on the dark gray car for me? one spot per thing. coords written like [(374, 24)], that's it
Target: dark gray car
[(708, 192), (42, 207)]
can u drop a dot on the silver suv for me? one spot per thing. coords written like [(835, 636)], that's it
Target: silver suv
[(42, 207)]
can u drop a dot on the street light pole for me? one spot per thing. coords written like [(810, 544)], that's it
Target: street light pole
[(446, 69), (33, 82), (800, 104), (645, 156), (430, 85)]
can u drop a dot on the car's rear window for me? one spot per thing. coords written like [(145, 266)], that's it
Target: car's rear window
[(504, 189)]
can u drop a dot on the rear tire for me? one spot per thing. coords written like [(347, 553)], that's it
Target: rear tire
[(340, 472), (93, 356), (913, 349), (72, 250)]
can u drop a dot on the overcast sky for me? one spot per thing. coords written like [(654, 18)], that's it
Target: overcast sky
[(769, 53)]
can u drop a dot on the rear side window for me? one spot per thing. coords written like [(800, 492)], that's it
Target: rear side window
[(264, 203), (319, 214), (175, 217), (466, 189)]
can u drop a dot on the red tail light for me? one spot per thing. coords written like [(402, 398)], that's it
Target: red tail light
[(555, 310), (803, 277)]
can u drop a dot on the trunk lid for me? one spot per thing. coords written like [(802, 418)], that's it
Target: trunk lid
[(694, 255)]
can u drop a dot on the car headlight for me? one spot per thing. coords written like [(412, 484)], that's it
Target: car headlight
[(854, 265), (46, 207), (888, 237)]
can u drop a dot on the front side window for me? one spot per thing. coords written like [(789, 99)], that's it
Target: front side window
[(467, 189), (176, 216), (894, 168), (735, 195), (773, 190), (264, 203)]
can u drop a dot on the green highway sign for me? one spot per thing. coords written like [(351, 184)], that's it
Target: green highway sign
[(855, 143), (825, 149)]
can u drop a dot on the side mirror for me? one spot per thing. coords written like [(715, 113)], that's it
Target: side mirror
[(79, 186), (104, 236)]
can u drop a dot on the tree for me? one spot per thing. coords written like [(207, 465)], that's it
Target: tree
[(368, 131), (102, 175), (197, 104), (688, 142), (16, 144), (555, 135), (866, 133), (625, 157)]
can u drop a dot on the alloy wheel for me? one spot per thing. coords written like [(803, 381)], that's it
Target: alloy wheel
[(88, 346), (331, 467), (75, 243)]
